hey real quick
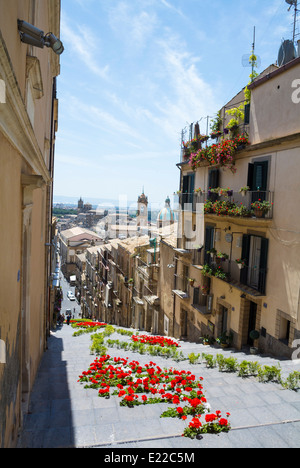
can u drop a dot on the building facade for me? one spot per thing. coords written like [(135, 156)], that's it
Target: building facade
[(241, 284), (28, 123)]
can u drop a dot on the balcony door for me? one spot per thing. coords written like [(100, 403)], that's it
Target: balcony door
[(254, 262), (209, 243), (258, 179), (188, 186), (255, 253)]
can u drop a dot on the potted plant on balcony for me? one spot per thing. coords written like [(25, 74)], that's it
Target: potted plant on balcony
[(261, 207), (240, 263), (221, 274), (216, 126), (244, 190), (222, 256), (212, 252), (203, 138), (204, 290), (238, 115), (207, 270), (199, 190), (191, 281)]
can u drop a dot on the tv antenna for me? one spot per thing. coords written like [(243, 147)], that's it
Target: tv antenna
[(252, 61), (294, 3)]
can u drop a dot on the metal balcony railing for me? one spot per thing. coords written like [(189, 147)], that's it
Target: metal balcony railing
[(226, 203)]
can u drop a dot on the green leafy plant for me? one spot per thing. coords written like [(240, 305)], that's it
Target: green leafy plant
[(216, 125), (209, 360), (270, 374), (207, 270), (244, 189), (262, 205), (193, 358), (293, 381), (222, 255), (238, 116), (214, 424)]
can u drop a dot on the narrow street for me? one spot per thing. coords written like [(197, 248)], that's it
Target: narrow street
[(65, 415), (66, 303)]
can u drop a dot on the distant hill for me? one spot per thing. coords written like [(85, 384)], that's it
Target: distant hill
[(72, 201)]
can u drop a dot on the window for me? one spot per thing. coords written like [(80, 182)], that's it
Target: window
[(166, 325), (185, 276), (255, 252), (196, 296), (209, 243), (258, 179), (188, 185), (213, 182)]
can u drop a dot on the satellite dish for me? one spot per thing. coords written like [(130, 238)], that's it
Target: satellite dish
[(291, 2), (287, 52)]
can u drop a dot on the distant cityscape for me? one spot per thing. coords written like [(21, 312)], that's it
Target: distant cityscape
[(107, 218)]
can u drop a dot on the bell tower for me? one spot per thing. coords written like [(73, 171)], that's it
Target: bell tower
[(142, 211)]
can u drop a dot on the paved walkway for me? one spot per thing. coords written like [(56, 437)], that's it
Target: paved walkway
[(64, 414)]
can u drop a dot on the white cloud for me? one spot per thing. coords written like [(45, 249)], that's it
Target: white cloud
[(135, 28), (83, 42)]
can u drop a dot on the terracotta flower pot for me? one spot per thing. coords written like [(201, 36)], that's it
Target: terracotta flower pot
[(258, 212)]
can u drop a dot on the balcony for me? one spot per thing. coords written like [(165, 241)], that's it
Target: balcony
[(250, 280), (222, 202)]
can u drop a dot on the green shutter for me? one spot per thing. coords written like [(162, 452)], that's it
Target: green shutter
[(245, 256), (263, 265), (209, 243)]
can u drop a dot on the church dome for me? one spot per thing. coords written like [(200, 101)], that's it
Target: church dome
[(166, 215)]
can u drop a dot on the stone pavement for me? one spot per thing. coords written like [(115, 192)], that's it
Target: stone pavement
[(62, 414)]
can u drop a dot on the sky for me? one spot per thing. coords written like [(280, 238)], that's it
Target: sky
[(135, 73)]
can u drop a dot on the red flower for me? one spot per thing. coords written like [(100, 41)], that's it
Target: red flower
[(223, 422), (129, 398), (210, 417), (195, 402), (195, 423)]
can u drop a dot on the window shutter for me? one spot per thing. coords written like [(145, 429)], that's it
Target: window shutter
[(191, 187), (196, 296), (250, 176), (185, 184), (263, 265), (245, 256), (209, 243), (247, 114), (213, 178), (185, 189)]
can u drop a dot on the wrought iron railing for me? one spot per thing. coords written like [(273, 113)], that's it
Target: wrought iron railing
[(228, 203)]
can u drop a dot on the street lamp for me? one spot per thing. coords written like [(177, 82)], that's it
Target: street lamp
[(36, 37)]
